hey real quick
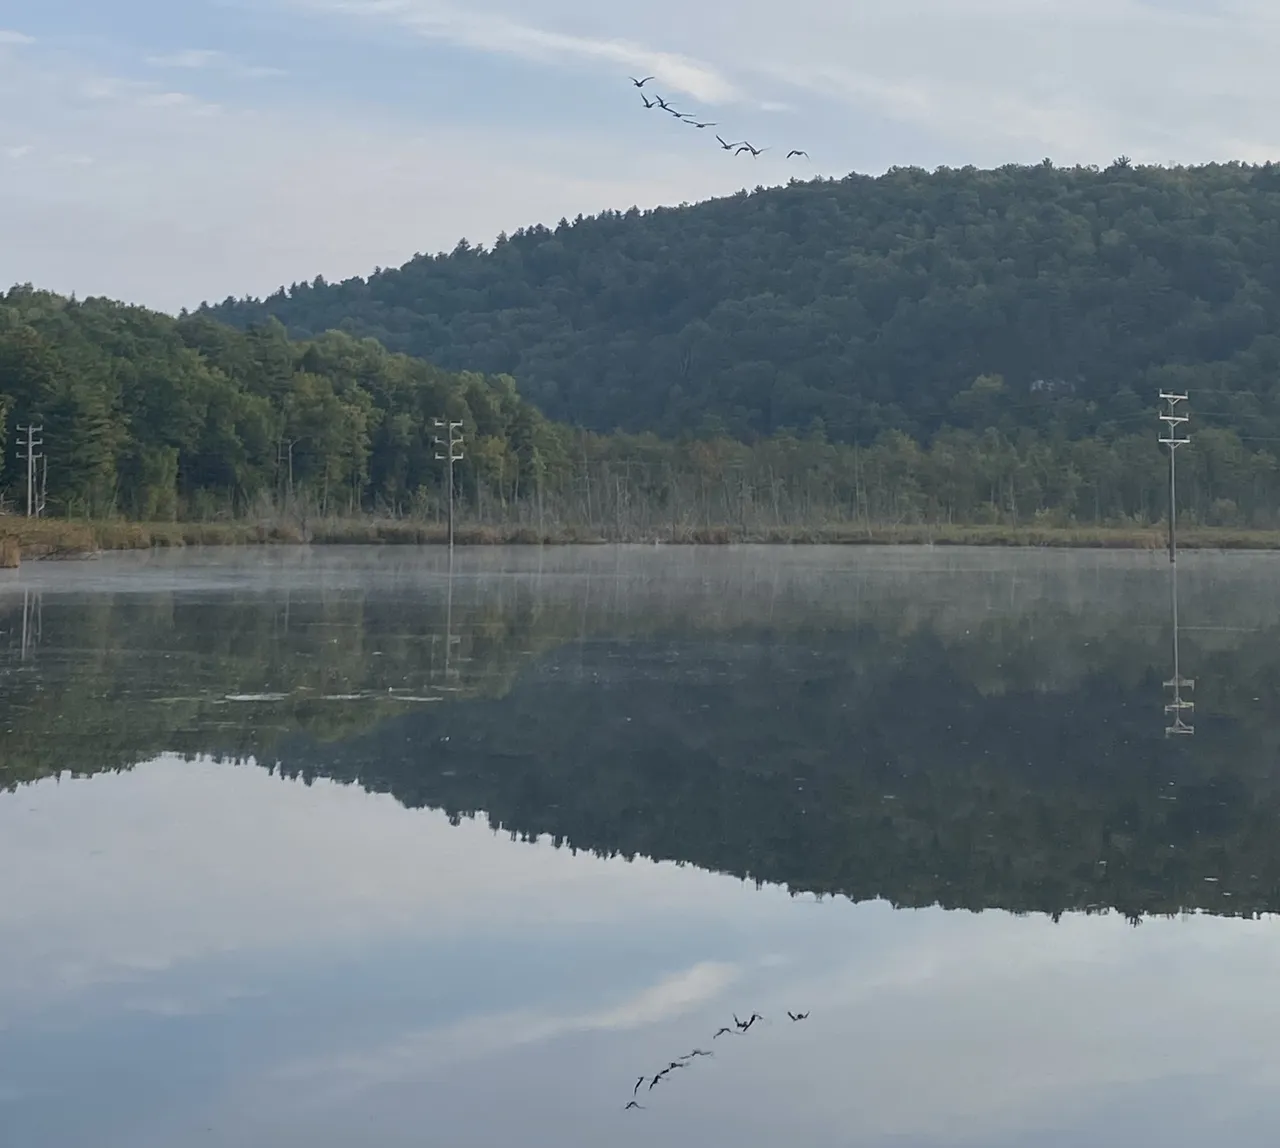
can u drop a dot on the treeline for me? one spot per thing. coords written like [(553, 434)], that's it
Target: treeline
[(641, 486), (870, 304), (153, 418)]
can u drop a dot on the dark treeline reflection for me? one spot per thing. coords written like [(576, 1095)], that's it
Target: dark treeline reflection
[(920, 730)]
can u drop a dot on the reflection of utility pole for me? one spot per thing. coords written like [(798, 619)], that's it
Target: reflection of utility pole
[(29, 451), (449, 639), (32, 621), (453, 453), (1172, 421), (1180, 706)]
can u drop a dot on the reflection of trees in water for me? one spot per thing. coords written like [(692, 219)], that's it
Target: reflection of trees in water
[(990, 746), (144, 674), (876, 772)]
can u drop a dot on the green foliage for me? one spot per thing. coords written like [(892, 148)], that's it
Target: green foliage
[(159, 418), (155, 418), (869, 303)]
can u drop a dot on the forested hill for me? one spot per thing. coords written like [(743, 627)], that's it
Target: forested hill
[(867, 303), (157, 417)]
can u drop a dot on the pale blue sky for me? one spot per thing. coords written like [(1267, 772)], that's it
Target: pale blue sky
[(168, 152)]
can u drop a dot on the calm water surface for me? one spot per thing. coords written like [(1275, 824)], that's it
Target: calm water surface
[(338, 848)]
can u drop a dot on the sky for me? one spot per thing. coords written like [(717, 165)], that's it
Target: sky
[(169, 153)]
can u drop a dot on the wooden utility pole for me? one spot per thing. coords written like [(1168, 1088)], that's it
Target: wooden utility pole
[(29, 451), (452, 445), (1172, 421)]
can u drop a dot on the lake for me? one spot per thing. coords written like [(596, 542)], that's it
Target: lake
[(354, 846)]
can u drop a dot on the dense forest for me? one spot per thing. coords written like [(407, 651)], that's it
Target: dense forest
[(984, 740), (863, 305), (155, 417)]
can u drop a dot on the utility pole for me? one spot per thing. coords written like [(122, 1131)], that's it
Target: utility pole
[(1173, 421), (29, 451), (452, 454)]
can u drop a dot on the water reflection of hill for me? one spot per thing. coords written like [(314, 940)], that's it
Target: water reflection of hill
[(970, 738), (881, 773)]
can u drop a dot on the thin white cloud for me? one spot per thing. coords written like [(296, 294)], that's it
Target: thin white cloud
[(981, 81), (494, 32), (192, 58), (8, 36), (413, 1055), (19, 152), (99, 89), (998, 80), (167, 100), (199, 201), (209, 59), (194, 201)]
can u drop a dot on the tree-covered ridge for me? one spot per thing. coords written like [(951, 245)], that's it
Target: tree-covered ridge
[(156, 417), (871, 304), (160, 418)]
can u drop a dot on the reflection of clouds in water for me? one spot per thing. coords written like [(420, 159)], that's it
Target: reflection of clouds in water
[(413, 1055), (195, 1001), (945, 1027), (127, 876), (966, 1027)]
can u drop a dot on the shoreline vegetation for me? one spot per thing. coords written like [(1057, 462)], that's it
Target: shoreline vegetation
[(37, 539)]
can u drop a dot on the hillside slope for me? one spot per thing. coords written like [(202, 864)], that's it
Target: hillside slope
[(868, 303)]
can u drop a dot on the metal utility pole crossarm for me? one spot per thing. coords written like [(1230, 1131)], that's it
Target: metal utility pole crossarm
[(30, 452), (1173, 421), (452, 445)]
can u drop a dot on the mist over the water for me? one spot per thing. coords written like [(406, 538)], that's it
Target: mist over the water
[(364, 846)]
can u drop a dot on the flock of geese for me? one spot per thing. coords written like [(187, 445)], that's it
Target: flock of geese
[(739, 1028), (738, 147)]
